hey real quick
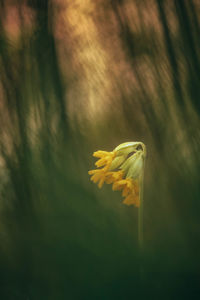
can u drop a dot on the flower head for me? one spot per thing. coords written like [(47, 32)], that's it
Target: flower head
[(123, 168)]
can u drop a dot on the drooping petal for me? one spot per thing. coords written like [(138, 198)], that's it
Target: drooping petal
[(92, 172), (131, 200), (96, 177), (118, 185), (101, 182), (101, 162), (100, 153), (125, 191), (111, 177), (105, 159)]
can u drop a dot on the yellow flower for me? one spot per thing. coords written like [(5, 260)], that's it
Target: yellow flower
[(130, 190), (123, 167), (105, 160)]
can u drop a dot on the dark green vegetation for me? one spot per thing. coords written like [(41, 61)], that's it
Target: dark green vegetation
[(130, 71)]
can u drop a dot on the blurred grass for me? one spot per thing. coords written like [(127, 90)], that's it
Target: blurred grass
[(75, 78)]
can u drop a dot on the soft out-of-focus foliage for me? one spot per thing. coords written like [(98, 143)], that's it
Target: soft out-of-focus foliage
[(77, 76)]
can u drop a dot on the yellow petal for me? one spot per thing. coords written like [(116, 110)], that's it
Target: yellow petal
[(125, 191), (129, 200), (118, 185), (111, 177), (92, 172), (101, 162), (101, 182), (95, 177), (100, 153)]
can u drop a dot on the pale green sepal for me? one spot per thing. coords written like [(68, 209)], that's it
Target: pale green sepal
[(126, 148), (136, 168), (117, 161), (129, 162)]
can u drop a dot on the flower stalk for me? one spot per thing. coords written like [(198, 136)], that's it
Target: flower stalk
[(124, 169)]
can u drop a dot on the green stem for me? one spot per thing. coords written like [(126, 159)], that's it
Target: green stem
[(140, 218), (141, 223)]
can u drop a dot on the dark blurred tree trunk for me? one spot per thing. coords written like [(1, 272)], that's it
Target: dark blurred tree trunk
[(179, 96), (22, 68), (190, 52)]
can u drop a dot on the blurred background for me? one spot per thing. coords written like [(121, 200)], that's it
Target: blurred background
[(80, 76)]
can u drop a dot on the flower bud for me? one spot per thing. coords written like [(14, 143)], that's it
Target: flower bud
[(126, 148)]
